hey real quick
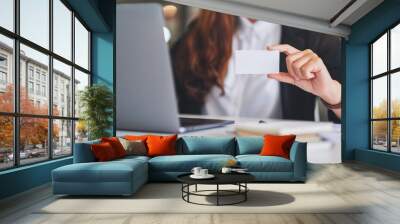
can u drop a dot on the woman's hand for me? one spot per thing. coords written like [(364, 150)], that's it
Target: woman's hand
[(307, 71)]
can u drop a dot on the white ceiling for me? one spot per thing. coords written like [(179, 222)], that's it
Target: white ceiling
[(325, 16), (321, 9), (333, 17)]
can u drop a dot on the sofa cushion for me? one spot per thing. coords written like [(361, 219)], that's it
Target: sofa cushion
[(257, 163), (112, 171), (185, 163), (277, 145), (249, 145), (159, 145), (116, 145), (136, 147), (200, 145), (103, 152)]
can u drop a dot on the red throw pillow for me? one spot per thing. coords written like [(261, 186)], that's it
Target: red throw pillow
[(116, 145), (103, 152), (277, 145), (161, 145)]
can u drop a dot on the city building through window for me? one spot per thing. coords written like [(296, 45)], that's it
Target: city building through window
[(40, 124)]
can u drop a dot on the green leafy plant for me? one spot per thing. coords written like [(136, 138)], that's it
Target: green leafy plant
[(96, 102)]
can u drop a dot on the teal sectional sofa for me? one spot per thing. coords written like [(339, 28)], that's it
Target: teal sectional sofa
[(125, 176)]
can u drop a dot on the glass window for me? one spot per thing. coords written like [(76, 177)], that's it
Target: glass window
[(395, 47), (81, 45), (62, 29), (30, 71), (395, 95), (379, 56), (395, 136), (81, 82), (34, 79), (6, 142), (30, 87), (37, 89), (3, 78), (384, 81), (7, 14), (379, 98), (62, 72), (40, 62), (379, 135), (34, 21), (81, 131), (44, 91), (6, 72), (3, 60), (62, 137), (33, 140)]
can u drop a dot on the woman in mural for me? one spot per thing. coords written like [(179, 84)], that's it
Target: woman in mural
[(206, 83)]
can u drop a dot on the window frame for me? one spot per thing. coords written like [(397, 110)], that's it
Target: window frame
[(16, 115), (388, 74)]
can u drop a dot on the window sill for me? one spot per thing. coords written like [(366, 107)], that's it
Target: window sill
[(30, 166)]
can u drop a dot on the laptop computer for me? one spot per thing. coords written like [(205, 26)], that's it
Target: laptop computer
[(145, 92)]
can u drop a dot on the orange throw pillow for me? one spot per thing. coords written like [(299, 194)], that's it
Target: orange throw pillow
[(277, 145), (116, 145), (161, 145), (103, 152)]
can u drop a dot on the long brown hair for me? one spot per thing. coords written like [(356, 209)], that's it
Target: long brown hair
[(201, 56)]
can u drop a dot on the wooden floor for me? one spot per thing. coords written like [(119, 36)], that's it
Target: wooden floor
[(377, 188)]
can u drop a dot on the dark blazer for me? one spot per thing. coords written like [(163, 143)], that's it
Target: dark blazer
[(296, 103)]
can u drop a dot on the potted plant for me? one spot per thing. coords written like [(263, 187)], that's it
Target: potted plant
[(96, 102)]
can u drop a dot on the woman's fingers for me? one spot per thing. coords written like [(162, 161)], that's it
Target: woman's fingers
[(313, 66), (299, 66), (292, 67), (282, 77), (284, 48)]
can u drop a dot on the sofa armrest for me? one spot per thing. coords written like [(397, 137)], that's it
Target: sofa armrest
[(83, 152), (298, 155)]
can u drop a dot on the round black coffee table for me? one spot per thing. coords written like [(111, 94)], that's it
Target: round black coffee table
[(238, 179)]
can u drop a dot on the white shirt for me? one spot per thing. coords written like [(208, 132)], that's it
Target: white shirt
[(245, 95)]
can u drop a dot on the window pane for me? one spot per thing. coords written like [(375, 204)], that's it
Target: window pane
[(81, 45), (379, 56), (6, 142), (395, 136), (81, 131), (81, 81), (395, 47), (62, 138), (395, 94), (7, 14), (62, 89), (34, 72), (6, 74), (35, 21), (33, 139), (379, 97), (379, 135), (62, 29)]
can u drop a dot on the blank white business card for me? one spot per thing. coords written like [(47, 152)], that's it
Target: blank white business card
[(256, 62)]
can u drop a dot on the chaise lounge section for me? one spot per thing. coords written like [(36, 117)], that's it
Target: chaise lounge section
[(125, 176)]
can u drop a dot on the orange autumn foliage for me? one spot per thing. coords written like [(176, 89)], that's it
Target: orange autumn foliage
[(34, 130)]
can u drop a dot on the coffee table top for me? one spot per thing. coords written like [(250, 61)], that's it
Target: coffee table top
[(220, 178)]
